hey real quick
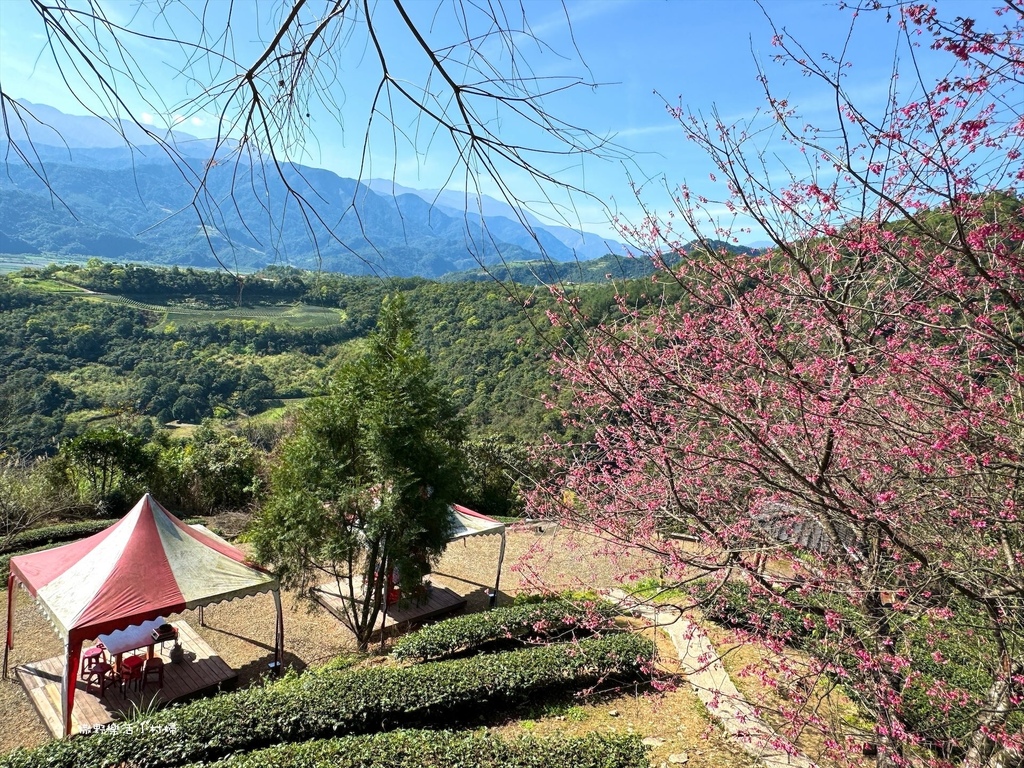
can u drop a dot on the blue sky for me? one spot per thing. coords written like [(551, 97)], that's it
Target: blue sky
[(641, 52)]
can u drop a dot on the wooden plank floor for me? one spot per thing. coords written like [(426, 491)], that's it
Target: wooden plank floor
[(202, 672), (440, 601)]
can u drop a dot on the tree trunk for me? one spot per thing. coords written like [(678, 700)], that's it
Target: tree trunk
[(983, 752)]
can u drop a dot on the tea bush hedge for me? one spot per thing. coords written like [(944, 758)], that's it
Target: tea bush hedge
[(55, 534), (299, 708), (444, 749), (38, 539), (544, 620)]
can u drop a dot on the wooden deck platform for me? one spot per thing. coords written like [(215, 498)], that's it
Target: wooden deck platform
[(440, 601), (202, 672)]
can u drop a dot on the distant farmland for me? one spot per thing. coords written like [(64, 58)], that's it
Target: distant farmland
[(297, 315)]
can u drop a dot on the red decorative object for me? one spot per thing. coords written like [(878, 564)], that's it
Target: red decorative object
[(131, 671)]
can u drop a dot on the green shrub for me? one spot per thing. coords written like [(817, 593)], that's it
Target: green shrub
[(443, 749), (338, 663), (953, 655), (347, 702), (568, 595), (734, 604), (540, 620)]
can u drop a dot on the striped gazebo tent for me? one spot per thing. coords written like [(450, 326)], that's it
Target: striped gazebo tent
[(146, 565)]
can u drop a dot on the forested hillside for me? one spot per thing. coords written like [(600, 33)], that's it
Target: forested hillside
[(80, 345), (106, 367), (610, 267)]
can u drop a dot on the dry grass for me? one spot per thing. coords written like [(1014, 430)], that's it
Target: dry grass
[(242, 633), (819, 700), (673, 721)]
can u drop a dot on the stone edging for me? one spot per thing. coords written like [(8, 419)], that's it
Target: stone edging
[(711, 682)]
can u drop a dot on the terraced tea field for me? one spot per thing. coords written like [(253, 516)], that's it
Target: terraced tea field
[(298, 315)]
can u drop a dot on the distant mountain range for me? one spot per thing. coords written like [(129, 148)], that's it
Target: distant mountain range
[(609, 267), (87, 192)]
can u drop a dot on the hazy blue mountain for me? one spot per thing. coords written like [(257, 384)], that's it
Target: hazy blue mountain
[(52, 134), (584, 245), (86, 193), (49, 126), (610, 267)]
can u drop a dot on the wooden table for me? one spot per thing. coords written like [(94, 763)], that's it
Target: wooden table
[(202, 673), (120, 641)]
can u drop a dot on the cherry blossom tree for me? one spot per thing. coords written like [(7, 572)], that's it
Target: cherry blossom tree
[(835, 424)]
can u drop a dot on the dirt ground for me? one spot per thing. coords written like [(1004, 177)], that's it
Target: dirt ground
[(242, 633)]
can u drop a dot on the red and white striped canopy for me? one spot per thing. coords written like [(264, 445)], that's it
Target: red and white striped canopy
[(466, 522), (148, 564)]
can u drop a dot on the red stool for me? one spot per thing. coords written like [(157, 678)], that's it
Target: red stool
[(97, 654), (131, 671), (153, 668)]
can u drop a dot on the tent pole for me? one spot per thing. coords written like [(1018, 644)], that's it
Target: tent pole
[(67, 688), (10, 619), (202, 618), (497, 580), (65, 710), (73, 654), (384, 614), (278, 635)]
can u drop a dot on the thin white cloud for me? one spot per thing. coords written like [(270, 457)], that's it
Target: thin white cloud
[(147, 119), (577, 13), (647, 130), (196, 121)]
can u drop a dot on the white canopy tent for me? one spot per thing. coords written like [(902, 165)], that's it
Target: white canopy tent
[(468, 523), (149, 564)]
